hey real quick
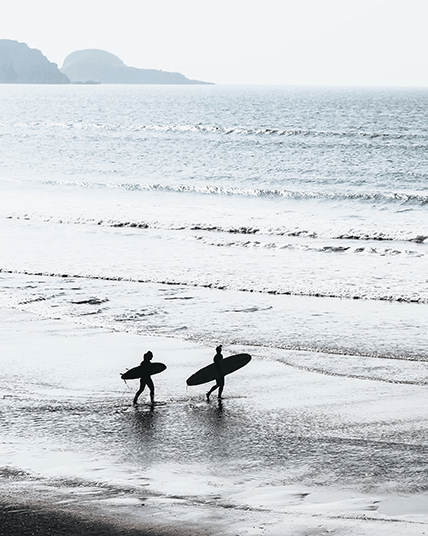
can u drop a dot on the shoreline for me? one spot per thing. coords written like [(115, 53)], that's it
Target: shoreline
[(47, 483), (35, 506), (44, 508), (17, 520)]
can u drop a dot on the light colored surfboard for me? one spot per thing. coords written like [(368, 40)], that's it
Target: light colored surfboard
[(210, 373)]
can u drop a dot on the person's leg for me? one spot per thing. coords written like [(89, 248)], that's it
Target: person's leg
[(220, 387), (212, 390), (151, 386), (138, 393)]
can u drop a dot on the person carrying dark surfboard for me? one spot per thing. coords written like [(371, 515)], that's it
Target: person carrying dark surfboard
[(218, 358), (146, 378)]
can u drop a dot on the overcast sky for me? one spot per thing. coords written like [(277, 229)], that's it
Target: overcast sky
[(315, 42)]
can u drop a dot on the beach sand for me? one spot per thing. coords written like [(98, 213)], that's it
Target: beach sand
[(43, 509), (72, 443)]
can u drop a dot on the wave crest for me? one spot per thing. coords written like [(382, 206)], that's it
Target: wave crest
[(403, 298), (239, 130), (275, 193)]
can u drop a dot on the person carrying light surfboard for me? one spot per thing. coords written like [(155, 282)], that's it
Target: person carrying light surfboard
[(218, 358), (146, 378)]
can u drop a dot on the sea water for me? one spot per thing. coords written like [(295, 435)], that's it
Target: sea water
[(253, 193), (287, 222)]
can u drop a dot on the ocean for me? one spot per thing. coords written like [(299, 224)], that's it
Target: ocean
[(289, 223)]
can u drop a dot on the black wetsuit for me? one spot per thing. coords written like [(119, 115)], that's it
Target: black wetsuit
[(220, 376), (145, 380)]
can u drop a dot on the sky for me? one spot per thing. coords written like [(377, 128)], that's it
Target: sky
[(257, 42)]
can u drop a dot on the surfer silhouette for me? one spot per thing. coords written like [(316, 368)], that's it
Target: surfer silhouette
[(146, 378), (218, 358)]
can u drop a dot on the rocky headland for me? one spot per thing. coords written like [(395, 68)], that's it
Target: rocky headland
[(20, 64), (93, 65)]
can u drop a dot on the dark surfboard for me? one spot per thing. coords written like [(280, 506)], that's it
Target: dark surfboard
[(137, 372), (210, 373)]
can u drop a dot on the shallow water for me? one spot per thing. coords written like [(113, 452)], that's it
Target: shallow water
[(276, 424)]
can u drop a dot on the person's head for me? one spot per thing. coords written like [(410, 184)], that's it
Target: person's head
[(218, 349), (148, 356)]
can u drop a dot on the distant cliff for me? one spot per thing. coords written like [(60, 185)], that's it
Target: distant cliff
[(20, 64), (101, 66)]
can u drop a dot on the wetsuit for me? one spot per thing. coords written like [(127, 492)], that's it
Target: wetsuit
[(220, 376), (145, 380)]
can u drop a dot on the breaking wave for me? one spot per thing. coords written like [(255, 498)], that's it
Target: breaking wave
[(215, 129), (354, 235), (400, 198), (344, 294)]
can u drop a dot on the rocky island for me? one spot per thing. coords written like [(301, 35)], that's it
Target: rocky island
[(93, 65), (20, 64)]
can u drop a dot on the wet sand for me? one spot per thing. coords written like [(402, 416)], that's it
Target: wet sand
[(39, 513), (36, 520), (18, 520), (35, 507), (309, 453)]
